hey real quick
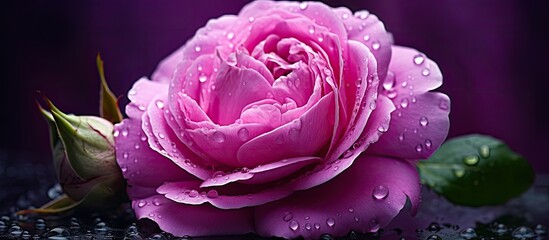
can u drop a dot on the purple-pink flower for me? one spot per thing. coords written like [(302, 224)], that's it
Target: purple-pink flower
[(289, 119)]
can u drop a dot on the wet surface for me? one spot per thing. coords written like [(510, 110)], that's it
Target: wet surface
[(27, 181)]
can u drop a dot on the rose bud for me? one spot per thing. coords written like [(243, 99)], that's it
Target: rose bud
[(84, 160)]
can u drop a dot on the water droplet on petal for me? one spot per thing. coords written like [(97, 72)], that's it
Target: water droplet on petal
[(288, 216), (159, 104), (202, 77), (243, 134), (471, 160), (382, 128), (219, 137), (425, 72), (308, 227), (251, 19), (428, 143), (419, 59), (380, 192), (141, 203), (156, 201), (366, 38), (423, 121), (311, 29), (484, 151), (351, 210), (401, 137), (212, 194), (376, 45), (374, 225), (193, 193), (345, 16), (197, 48), (363, 14), (373, 105), (161, 136), (419, 148), (230, 35), (404, 103), (303, 5), (523, 232), (293, 225), (330, 222)]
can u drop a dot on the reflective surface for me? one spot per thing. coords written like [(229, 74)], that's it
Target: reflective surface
[(25, 183)]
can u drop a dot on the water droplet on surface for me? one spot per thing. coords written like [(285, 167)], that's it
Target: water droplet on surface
[(428, 143), (484, 151), (434, 227), (471, 160), (219, 137), (288, 216), (366, 38), (376, 45), (202, 77), (156, 201), (330, 222), (230, 35), (193, 193), (458, 172), (15, 231), (434, 237), (380, 192), (58, 233), (540, 230), (425, 72), (303, 5), (141, 203), (404, 103), (197, 48), (39, 224), (500, 229), (317, 226), (419, 148), (345, 16), (159, 104), (468, 233), (311, 29), (374, 225), (401, 137), (373, 105), (381, 129), (101, 228), (243, 134), (212, 194), (523, 232), (362, 14), (293, 225), (419, 59), (423, 121), (308, 227), (251, 19), (54, 192)]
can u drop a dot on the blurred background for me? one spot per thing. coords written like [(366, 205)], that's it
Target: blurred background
[(494, 56)]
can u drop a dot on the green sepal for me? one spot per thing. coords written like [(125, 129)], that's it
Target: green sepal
[(108, 103), (476, 170), (88, 143)]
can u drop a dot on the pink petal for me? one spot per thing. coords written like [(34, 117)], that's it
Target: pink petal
[(416, 130), (204, 220), (361, 92), (367, 29), (143, 91), (410, 72), (166, 68), (364, 198), (287, 141), (163, 140), (235, 88), (262, 174), (134, 156)]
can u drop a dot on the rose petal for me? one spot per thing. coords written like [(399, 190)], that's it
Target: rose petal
[(417, 130), (143, 91), (367, 29), (262, 174), (353, 200), (135, 157), (165, 69), (181, 219), (287, 140)]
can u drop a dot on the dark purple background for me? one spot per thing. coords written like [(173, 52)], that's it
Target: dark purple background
[(493, 54)]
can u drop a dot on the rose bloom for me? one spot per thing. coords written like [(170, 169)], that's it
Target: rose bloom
[(289, 119)]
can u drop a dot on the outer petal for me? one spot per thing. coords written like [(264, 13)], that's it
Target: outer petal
[(417, 130), (166, 68), (352, 201), (204, 220)]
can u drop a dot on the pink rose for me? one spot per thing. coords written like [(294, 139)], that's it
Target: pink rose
[(289, 119)]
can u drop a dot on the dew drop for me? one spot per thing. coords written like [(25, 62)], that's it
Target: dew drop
[(419, 59), (251, 19), (468, 233), (459, 172), (423, 121), (125, 132), (471, 160), (293, 133), (202, 78), (523, 232), (125, 155), (212, 194), (230, 35), (374, 225), (137, 146), (373, 105), (404, 103), (484, 151), (419, 148), (381, 129), (425, 72), (288, 216), (351, 210), (389, 81), (156, 201), (363, 14), (317, 226), (428, 143), (197, 48), (193, 193), (308, 227), (161, 136), (294, 225), (159, 104), (345, 16), (243, 134), (311, 29), (380, 192), (401, 137), (330, 222), (376, 45), (219, 137), (366, 38), (116, 133), (303, 5), (141, 203)]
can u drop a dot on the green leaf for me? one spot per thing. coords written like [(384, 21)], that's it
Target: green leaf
[(108, 103), (476, 170)]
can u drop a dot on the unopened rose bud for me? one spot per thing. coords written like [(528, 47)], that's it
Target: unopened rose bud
[(84, 160)]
